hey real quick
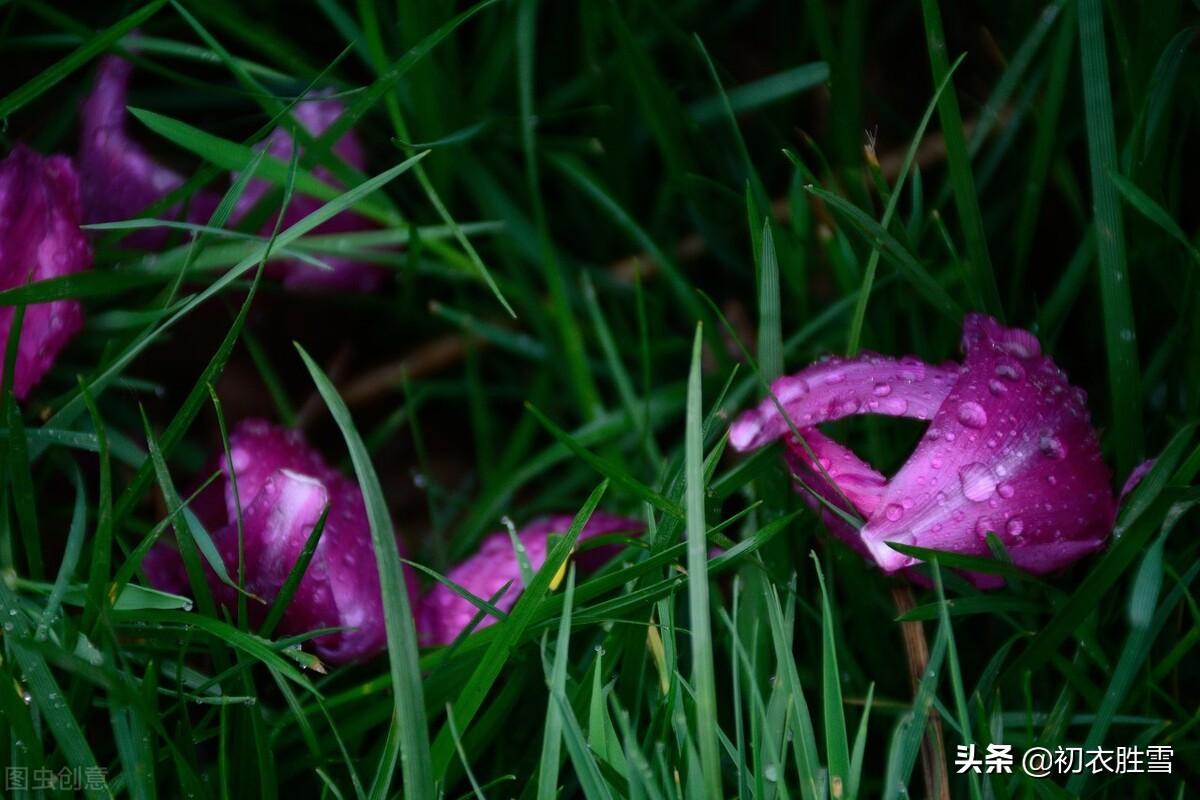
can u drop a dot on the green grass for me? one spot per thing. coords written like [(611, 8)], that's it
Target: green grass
[(605, 226)]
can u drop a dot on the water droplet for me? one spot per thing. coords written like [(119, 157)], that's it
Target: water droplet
[(984, 526), (1009, 371), (978, 482), (972, 414), (1005, 490), (835, 377), (792, 389), (1052, 446), (1015, 527), (882, 390), (937, 462), (895, 406), (893, 512), (996, 387)]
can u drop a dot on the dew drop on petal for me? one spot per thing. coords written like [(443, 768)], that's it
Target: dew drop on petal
[(882, 390), (978, 482), (1014, 527), (1052, 446), (972, 414), (1010, 371), (1005, 490), (893, 512)]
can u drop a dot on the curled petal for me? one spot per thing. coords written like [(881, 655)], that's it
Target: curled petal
[(282, 487), (837, 388), (39, 239), (120, 179), (1011, 451), (443, 615), (316, 114)]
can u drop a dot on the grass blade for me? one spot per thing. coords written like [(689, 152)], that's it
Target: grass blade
[(1120, 336), (408, 696), (982, 280), (703, 676), (93, 47)]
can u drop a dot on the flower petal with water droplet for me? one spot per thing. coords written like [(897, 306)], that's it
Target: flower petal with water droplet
[(39, 239), (837, 388), (1007, 448), (282, 486)]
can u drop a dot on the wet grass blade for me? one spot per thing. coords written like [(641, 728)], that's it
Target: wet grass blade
[(703, 676), (982, 280), (416, 766), (837, 746), (1120, 331), (547, 787), (509, 633), (770, 321), (864, 293)]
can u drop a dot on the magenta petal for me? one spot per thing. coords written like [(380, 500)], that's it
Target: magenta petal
[(316, 114), (1011, 451), (855, 481), (120, 179), (443, 615), (39, 239), (837, 388), (282, 486)]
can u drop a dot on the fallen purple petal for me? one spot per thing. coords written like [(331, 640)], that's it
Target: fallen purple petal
[(40, 239), (1009, 450), (282, 485), (316, 114), (443, 614), (121, 179)]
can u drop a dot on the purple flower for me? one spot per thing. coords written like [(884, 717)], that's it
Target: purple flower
[(443, 614), (39, 239), (282, 486), (1009, 450), (316, 113), (120, 179)]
